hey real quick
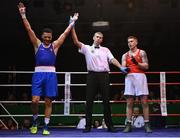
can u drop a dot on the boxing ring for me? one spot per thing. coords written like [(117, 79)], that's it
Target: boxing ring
[(160, 80)]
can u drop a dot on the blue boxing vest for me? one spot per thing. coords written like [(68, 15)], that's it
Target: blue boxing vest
[(45, 56)]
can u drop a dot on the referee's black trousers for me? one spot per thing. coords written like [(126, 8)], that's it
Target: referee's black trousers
[(98, 81)]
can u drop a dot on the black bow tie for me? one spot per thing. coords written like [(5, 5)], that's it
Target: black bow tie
[(96, 47)]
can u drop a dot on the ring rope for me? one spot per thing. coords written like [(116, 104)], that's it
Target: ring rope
[(111, 84), (112, 101), (96, 115), (167, 72), (162, 101)]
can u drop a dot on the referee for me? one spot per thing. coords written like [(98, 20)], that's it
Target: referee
[(98, 59)]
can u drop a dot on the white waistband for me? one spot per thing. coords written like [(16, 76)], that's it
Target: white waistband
[(45, 69)]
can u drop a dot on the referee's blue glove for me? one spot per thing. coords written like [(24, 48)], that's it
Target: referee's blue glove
[(124, 70)]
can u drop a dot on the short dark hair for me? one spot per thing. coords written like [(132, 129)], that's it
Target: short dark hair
[(47, 30), (132, 37)]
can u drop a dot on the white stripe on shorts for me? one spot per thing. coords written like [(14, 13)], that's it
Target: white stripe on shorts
[(45, 69)]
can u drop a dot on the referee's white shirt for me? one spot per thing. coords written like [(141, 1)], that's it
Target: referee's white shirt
[(97, 59)]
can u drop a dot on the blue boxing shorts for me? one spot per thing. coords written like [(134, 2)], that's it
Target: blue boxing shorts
[(44, 84)]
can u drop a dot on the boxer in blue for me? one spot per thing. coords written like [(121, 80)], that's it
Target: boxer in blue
[(44, 80)]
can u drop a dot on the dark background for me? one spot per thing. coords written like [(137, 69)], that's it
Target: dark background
[(155, 22)]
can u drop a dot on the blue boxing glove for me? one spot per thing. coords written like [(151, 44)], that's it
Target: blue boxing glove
[(124, 70), (70, 21), (73, 19)]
